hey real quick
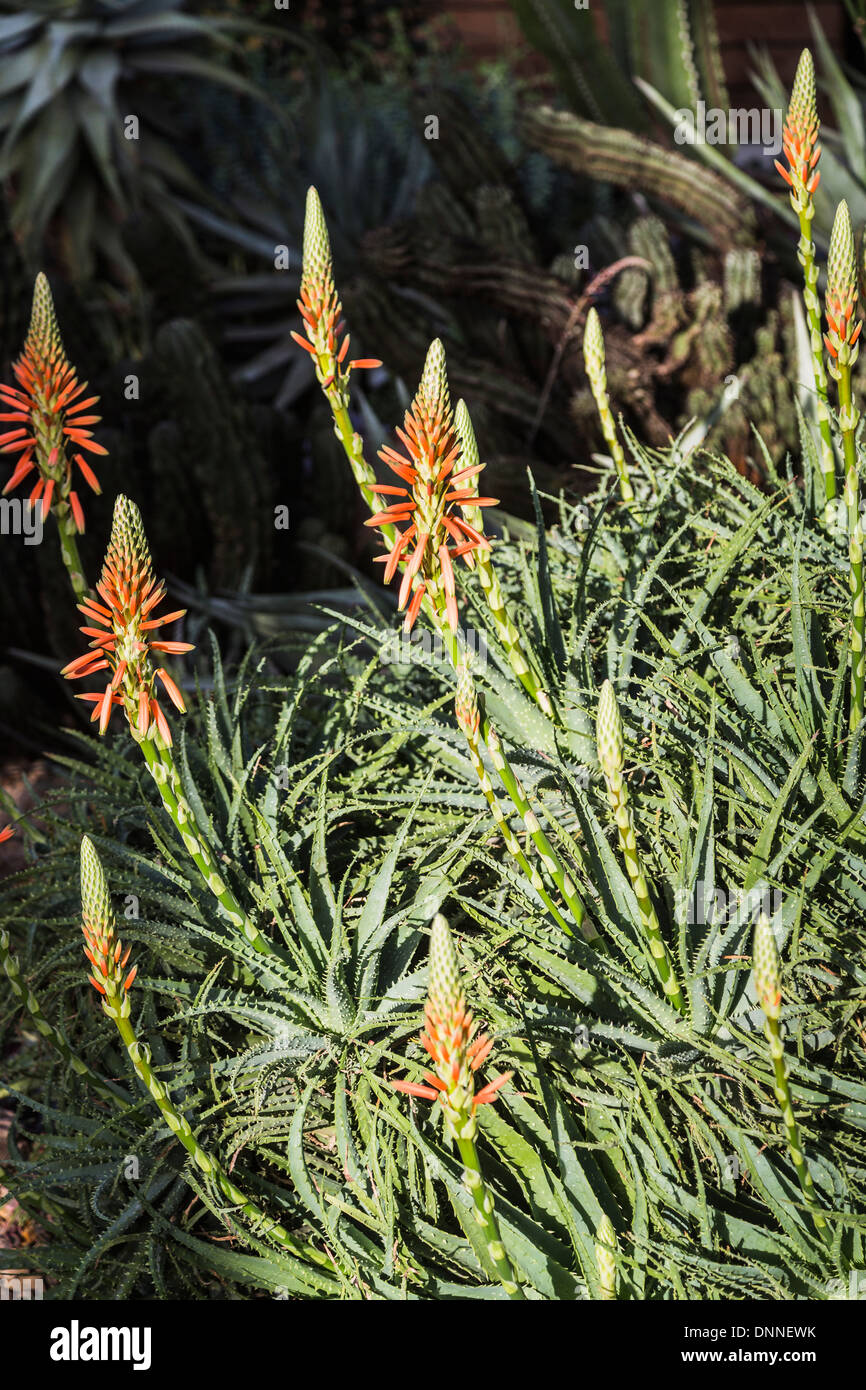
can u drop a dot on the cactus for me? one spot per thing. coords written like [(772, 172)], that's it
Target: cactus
[(631, 161)]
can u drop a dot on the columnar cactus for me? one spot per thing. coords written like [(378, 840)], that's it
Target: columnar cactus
[(46, 412), (457, 1053), (609, 739)]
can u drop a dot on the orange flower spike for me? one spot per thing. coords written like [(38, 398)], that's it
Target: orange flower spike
[(449, 1039), (102, 948), (121, 638), (456, 1055), (432, 452), (45, 409), (320, 307), (800, 139)]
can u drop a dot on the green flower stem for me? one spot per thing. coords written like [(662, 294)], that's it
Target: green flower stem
[(161, 764), (524, 666), (782, 1090), (512, 844), (848, 417), (806, 255), (605, 1258), (47, 1030), (548, 854), (482, 1199), (507, 631), (618, 800), (594, 359), (611, 755), (69, 548), (262, 1224), (512, 785)]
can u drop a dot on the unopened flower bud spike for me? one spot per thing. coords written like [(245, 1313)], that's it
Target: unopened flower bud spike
[(767, 977), (802, 152), (593, 356), (605, 1258), (609, 740), (121, 623), (111, 976), (843, 347), (456, 1054)]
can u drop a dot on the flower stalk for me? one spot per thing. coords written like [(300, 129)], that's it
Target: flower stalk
[(108, 976), (457, 1053), (802, 152), (524, 666), (321, 311), (843, 349), (121, 623), (45, 412), (766, 973), (596, 371), (610, 743)]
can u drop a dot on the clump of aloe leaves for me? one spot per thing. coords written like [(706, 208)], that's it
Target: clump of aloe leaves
[(628, 826)]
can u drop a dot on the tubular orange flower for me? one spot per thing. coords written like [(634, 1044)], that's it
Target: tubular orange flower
[(121, 640), (6, 833), (435, 499), (320, 306), (45, 412), (101, 946), (449, 1038)]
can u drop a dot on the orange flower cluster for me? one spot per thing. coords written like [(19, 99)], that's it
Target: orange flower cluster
[(101, 947), (122, 640), (437, 532), (449, 1039), (47, 413), (320, 305), (800, 138)]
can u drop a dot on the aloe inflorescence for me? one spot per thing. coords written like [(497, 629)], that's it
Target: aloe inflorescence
[(123, 642), (457, 1051), (45, 409), (842, 344)]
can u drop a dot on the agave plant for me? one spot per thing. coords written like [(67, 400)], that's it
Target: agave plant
[(82, 141)]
